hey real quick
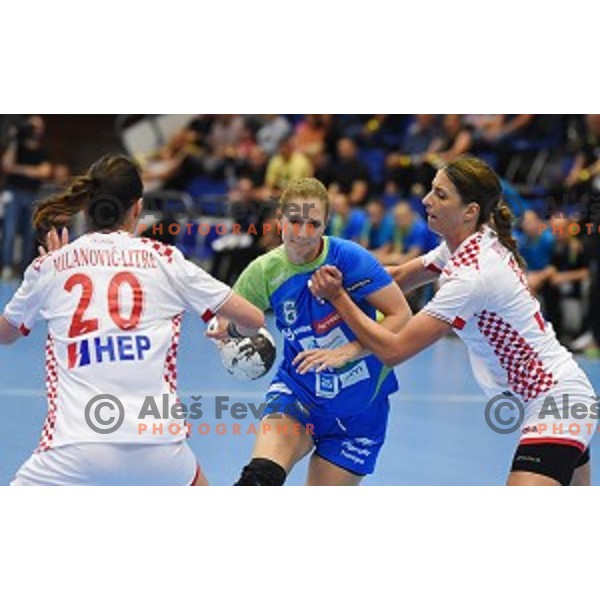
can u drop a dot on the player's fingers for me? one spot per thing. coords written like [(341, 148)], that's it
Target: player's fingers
[(42, 251), (311, 362), (52, 241), (304, 365), (333, 271), (301, 356), (217, 334), (64, 236), (318, 280), (333, 279)]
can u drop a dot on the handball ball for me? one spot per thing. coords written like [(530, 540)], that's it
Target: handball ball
[(249, 357)]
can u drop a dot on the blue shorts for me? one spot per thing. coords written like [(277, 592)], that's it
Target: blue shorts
[(350, 442)]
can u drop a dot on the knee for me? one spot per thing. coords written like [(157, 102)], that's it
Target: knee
[(262, 471)]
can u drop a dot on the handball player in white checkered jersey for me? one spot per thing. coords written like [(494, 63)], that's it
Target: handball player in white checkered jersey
[(484, 298), (113, 304)]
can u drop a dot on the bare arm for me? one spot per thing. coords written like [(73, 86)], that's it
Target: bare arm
[(412, 274), (247, 318), (420, 332), (397, 259), (11, 167), (390, 302), (461, 145), (573, 177), (42, 171), (573, 276), (594, 169), (519, 122), (9, 159), (8, 333)]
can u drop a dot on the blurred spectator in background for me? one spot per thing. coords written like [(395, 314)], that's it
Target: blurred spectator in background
[(309, 138), (411, 237), (484, 130), (536, 244), (345, 222), (453, 141), (286, 165), (382, 131), (235, 251), (591, 344), (378, 232), (254, 167), (347, 171), (274, 130), (227, 135), (583, 180), (565, 281), (181, 159), (487, 131), (26, 165), (404, 167), (61, 174)]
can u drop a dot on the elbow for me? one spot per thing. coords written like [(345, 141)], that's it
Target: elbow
[(390, 359), (389, 363), (8, 339), (393, 355)]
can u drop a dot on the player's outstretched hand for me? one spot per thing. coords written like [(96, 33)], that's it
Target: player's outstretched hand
[(54, 242), (217, 329), (321, 359), (326, 283)]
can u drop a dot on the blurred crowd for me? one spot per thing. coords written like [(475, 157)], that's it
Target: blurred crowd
[(377, 168)]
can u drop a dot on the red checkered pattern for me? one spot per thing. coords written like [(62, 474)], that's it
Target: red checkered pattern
[(52, 393), (518, 271), (469, 255), (170, 369), (527, 375), (160, 248)]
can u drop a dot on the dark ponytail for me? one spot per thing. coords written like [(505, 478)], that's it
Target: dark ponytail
[(106, 193), (502, 222), (477, 182), (57, 210)]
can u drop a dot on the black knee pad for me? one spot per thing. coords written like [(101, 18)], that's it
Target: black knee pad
[(585, 458), (557, 461), (262, 471)]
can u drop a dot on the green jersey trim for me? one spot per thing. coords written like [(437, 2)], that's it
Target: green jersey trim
[(265, 275)]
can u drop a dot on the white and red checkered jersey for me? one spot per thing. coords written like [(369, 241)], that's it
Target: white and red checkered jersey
[(113, 304), (484, 295)]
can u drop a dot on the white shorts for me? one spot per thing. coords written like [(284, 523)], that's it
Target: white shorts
[(110, 464), (569, 424)]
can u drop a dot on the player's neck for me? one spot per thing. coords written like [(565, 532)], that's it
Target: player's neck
[(304, 260), (453, 241)]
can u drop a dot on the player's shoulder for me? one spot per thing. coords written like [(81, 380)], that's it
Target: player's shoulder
[(269, 262), (344, 249), (468, 260), (163, 251)]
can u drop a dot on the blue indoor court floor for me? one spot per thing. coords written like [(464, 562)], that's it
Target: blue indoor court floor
[(437, 433)]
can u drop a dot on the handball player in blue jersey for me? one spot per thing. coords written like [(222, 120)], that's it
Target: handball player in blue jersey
[(338, 416)]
